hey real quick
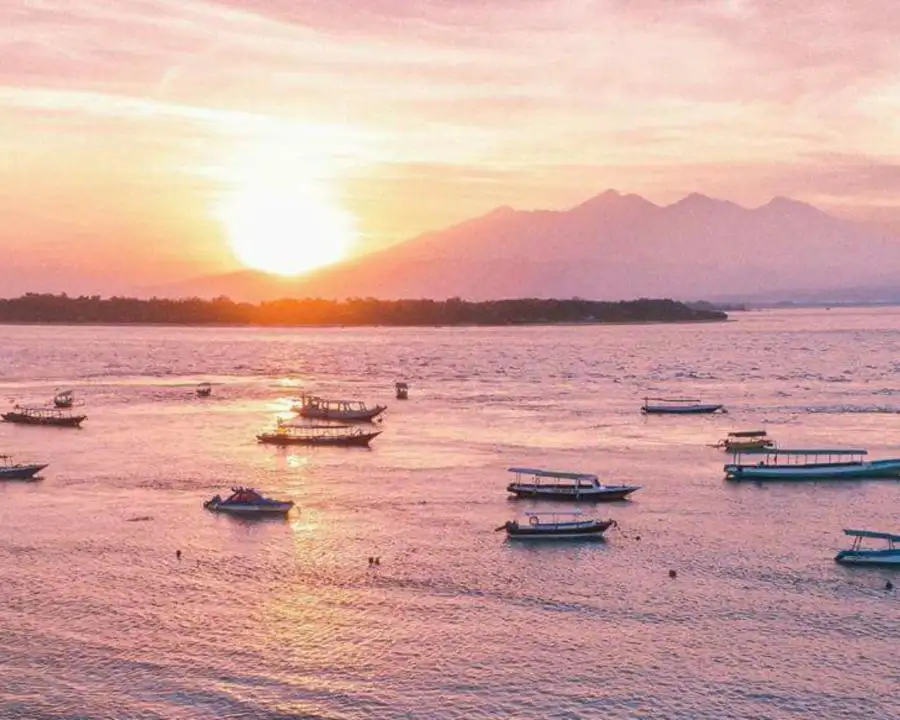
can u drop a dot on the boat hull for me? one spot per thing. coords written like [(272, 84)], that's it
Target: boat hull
[(577, 531), (604, 494), (361, 440), (20, 472), (250, 510), (871, 558), (685, 410), (23, 419), (313, 413), (830, 471)]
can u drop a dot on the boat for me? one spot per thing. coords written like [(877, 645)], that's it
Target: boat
[(809, 464), (554, 485), (340, 435), (18, 471), (857, 555), (679, 406), (556, 526), (247, 501), (402, 390), (204, 389), (317, 408), (745, 440), (64, 399), (43, 416)]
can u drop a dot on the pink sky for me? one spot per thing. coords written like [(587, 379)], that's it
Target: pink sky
[(123, 123)]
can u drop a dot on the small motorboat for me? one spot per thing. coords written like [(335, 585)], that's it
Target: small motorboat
[(64, 399), (204, 389), (679, 406), (337, 435), (745, 440), (857, 555), (18, 471), (556, 526), (247, 501), (402, 390), (43, 416), (317, 408), (554, 485)]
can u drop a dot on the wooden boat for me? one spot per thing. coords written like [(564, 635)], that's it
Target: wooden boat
[(556, 526), (338, 435), (64, 399), (204, 389), (678, 406), (402, 390), (554, 485), (811, 464), (18, 471), (43, 416), (745, 440), (318, 408), (857, 555), (248, 502)]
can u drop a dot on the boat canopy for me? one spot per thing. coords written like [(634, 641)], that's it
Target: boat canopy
[(823, 451), (672, 400), (748, 434), (553, 474), (872, 534), (562, 513)]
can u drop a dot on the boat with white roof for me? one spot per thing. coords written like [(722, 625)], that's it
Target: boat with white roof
[(555, 485), (679, 406), (809, 464), (556, 526), (858, 555)]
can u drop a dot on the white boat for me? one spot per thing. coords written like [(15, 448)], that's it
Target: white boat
[(18, 471), (857, 555), (556, 526), (679, 406), (554, 485), (311, 406), (809, 464)]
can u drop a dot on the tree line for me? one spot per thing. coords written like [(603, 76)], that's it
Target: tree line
[(50, 308)]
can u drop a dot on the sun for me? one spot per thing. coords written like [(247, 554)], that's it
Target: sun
[(285, 226)]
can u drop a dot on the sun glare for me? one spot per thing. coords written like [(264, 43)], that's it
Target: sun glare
[(285, 226)]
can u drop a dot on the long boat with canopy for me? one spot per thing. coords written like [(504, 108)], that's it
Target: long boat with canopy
[(679, 406), (809, 464), (317, 408), (43, 416), (556, 526), (555, 485), (335, 435), (858, 555), (745, 440)]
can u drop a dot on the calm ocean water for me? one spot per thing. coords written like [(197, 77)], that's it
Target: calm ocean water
[(285, 619)]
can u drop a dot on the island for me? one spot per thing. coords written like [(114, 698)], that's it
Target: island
[(41, 308)]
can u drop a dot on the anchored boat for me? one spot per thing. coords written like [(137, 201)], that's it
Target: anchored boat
[(745, 440), (18, 471), (204, 389), (43, 416), (556, 526), (317, 408), (248, 502), (64, 399), (678, 406), (402, 390), (554, 485), (811, 464), (340, 435), (857, 555)]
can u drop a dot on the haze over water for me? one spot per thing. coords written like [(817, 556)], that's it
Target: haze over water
[(285, 619)]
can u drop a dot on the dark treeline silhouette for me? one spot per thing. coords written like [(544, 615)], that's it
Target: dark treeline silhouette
[(46, 308)]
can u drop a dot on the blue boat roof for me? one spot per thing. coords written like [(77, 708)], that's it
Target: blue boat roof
[(810, 451), (872, 534), (553, 473)]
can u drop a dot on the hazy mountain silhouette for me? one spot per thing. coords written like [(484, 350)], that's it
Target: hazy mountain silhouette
[(612, 246)]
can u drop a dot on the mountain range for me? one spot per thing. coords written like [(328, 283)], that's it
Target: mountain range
[(611, 247)]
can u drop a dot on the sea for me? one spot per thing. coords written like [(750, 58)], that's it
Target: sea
[(288, 618)]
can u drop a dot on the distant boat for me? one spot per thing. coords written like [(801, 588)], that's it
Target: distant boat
[(318, 408), (745, 440), (64, 399), (809, 464), (402, 390), (43, 416), (857, 555), (18, 471), (556, 526), (678, 406), (335, 435), (248, 502), (554, 485), (204, 389)]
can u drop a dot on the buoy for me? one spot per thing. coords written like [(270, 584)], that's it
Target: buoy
[(637, 537), (889, 585), (672, 573), (371, 560), (378, 560), (178, 554)]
